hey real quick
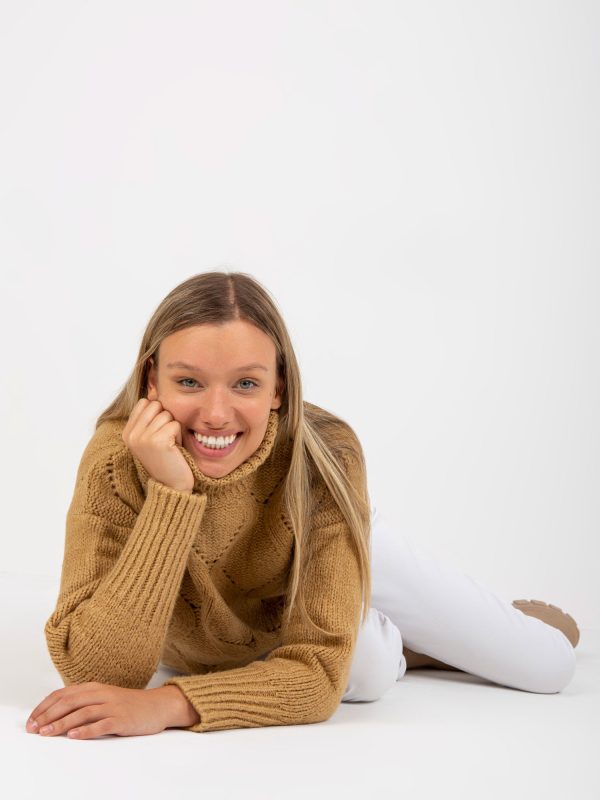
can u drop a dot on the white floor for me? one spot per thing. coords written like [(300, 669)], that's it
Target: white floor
[(435, 734)]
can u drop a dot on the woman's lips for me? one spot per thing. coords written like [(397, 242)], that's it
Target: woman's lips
[(212, 452)]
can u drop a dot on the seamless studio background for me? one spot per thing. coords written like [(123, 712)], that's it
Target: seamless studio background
[(417, 186)]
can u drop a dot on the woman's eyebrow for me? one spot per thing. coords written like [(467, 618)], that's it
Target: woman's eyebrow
[(192, 368)]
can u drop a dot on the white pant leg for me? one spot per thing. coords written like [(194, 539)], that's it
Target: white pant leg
[(378, 661), (455, 619)]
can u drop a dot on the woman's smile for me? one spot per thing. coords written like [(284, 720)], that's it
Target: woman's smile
[(213, 452)]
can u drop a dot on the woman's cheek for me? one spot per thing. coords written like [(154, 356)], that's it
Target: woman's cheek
[(177, 406)]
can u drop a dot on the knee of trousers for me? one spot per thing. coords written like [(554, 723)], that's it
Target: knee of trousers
[(377, 662), (551, 674)]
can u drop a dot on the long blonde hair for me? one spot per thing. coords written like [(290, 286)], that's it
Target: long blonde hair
[(320, 440)]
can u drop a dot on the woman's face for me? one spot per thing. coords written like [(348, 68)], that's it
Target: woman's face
[(229, 386)]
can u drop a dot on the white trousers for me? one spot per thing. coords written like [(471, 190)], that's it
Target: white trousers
[(430, 608)]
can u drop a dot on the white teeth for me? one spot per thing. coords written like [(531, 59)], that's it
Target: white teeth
[(215, 442)]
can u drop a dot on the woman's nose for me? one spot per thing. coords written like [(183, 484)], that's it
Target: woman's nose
[(215, 407)]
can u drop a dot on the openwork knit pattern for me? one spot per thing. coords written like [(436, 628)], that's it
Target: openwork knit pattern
[(198, 582)]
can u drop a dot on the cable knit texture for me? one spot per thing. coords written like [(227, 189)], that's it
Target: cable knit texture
[(198, 582)]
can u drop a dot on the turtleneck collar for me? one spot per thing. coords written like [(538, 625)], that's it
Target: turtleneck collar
[(205, 484)]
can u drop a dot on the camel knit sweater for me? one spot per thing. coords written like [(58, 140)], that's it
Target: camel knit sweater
[(198, 582)]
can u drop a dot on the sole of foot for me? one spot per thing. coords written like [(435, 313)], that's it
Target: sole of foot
[(551, 615)]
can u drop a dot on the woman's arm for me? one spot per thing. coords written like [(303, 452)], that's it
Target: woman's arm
[(120, 577)]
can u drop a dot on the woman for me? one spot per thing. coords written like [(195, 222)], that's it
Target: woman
[(221, 525)]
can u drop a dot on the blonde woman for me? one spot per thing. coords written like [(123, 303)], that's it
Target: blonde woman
[(221, 526)]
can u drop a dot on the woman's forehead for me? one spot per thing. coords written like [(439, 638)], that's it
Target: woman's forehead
[(204, 345)]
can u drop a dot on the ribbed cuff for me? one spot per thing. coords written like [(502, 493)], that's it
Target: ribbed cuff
[(263, 693), (148, 573)]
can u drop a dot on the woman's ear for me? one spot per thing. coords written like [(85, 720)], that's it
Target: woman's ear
[(278, 396), (151, 391)]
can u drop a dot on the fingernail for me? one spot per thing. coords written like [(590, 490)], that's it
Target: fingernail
[(32, 723), (47, 729)]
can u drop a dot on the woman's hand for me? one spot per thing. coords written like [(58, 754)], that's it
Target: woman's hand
[(97, 709), (152, 435)]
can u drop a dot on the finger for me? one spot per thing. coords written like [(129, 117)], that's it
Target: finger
[(143, 416), (46, 703), (171, 431), (148, 427), (139, 407), (159, 422), (103, 727), (178, 434), (80, 716), (63, 701), (52, 715)]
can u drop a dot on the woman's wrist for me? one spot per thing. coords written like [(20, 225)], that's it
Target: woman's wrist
[(179, 712)]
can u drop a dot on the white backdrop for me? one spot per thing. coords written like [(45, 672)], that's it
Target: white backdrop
[(415, 183)]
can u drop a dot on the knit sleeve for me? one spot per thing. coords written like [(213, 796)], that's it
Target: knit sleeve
[(304, 678), (120, 577)]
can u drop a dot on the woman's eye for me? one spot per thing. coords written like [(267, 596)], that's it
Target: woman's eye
[(243, 380)]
